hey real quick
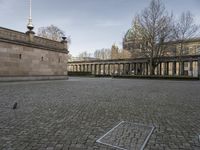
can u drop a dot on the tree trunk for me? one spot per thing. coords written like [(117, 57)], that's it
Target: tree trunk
[(152, 67)]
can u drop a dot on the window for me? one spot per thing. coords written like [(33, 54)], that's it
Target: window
[(186, 51), (198, 50), (185, 64), (173, 50), (20, 56), (42, 58)]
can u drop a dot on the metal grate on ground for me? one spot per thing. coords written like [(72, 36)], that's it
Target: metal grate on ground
[(127, 136)]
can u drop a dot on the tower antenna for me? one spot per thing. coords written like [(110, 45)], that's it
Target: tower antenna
[(30, 24)]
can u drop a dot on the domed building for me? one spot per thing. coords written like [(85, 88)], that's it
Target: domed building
[(132, 41)]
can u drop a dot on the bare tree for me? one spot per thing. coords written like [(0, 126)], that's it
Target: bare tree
[(70, 57), (84, 55), (103, 54), (52, 32), (114, 52), (184, 29), (154, 29), (123, 54)]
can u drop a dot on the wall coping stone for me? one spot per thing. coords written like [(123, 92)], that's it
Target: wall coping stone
[(20, 38)]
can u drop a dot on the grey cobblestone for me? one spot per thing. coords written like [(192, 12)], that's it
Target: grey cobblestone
[(73, 114)]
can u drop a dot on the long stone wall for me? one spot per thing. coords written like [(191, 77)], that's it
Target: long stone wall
[(24, 55)]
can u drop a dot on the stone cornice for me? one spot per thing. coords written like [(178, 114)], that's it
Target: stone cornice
[(162, 59), (19, 38)]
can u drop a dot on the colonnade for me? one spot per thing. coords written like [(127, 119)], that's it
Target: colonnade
[(187, 67)]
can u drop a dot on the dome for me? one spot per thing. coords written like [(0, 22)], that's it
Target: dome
[(129, 34)]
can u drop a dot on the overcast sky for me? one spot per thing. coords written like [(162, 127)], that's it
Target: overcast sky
[(92, 24)]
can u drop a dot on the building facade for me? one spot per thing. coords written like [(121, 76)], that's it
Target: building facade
[(168, 65), (189, 46), (24, 56)]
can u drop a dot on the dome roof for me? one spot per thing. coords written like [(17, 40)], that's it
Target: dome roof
[(129, 34)]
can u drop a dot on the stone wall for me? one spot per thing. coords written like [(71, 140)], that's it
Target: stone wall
[(21, 56)]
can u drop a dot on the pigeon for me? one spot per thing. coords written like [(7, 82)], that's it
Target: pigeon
[(15, 105)]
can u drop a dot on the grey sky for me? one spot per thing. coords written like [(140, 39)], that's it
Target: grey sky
[(92, 24)]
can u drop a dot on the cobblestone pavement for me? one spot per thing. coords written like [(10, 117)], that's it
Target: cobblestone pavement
[(73, 114)]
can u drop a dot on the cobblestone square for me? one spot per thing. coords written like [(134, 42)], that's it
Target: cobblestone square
[(73, 114)]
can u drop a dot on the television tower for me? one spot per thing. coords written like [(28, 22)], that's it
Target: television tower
[(30, 24)]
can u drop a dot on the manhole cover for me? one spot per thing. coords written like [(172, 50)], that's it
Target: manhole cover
[(196, 142), (127, 136)]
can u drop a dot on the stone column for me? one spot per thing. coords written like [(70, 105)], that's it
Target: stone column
[(95, 69), (99, 69), (91, 66), (143, 68), (167, 68), (104, 69), (157, 69), (108, 69), (182, 68), (126, 69), (72, 67), (87, 67), (114, 69), (160, 69), (69, 67), (80, 68), (118, 71), (130, 68), (198, 67), (191, 68), (135, 68), (84, 67), (140, 68), (174, 68), (123, 69), (147, 68)]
